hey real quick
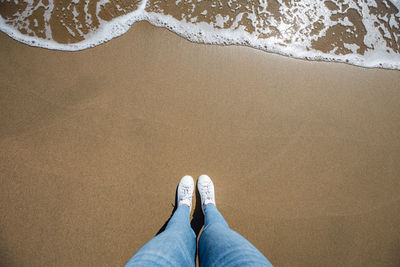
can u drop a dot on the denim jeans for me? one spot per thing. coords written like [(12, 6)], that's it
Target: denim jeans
[(218, 244)]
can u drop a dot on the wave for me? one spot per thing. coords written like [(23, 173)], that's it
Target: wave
[(360, 32)]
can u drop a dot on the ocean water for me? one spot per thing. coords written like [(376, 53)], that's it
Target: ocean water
[(359, 32)]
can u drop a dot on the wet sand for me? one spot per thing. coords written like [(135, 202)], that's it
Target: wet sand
[(305, 156)]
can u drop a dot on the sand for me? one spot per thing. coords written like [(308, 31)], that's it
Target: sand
[(305, 156)]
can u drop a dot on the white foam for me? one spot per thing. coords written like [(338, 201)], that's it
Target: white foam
[(397, 4), (205, 33), (294, 40), (106, 32)]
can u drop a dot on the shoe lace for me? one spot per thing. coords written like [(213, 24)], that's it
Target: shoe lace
[(185, 192), (207, 191)]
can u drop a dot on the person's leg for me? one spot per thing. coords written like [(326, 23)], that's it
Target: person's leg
[(219, 245), (176, 245)]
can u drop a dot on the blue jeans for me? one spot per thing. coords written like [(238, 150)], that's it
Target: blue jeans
[(218, 244)]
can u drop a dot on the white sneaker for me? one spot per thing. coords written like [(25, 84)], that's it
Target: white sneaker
[(185, 191), (206, 190)]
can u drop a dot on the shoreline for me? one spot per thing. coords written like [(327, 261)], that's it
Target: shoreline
[(365, 43)]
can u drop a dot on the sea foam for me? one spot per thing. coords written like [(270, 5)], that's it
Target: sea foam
[(363, 32)]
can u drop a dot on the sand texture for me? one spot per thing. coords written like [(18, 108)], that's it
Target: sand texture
[(305, 156)]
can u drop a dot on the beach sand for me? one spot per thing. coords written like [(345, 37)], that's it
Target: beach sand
[(305, 156)]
